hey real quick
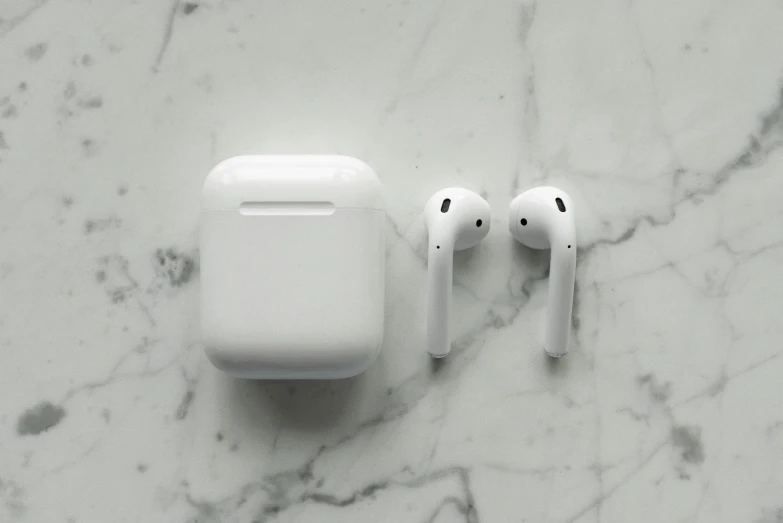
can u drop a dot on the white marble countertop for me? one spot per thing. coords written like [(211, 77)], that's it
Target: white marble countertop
[(663, 120)]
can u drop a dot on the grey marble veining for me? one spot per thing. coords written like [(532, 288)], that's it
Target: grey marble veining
[(662, 120)]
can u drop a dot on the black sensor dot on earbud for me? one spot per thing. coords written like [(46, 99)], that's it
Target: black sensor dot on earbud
[(445, 205), (524, 221), (478, 223), (569, 246), (560, 204), (437, 246)]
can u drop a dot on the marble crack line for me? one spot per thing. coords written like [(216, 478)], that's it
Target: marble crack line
[(656, 99), (446, 502), (17, 21), (462, 344), (719, 385), (47, 475), (279, 485), (167, 33), (401, 235), (406, 72), (115, 376), (584, 251), (493, 320), (404, 398), (303, 474), (755, 153), (599, 501), (538, 473), (740, 258), (95, 445), (132, 285), (189, 396), (599, 429), (527, 18), (466, 503)]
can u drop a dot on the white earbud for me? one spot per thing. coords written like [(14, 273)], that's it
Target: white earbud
[(456, 219), (543, 218)]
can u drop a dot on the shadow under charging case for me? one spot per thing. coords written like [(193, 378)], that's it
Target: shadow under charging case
[(292, 266)]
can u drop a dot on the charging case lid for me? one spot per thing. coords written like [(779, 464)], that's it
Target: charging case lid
[(341, 181)]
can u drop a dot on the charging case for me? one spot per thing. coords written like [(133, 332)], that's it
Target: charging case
[(292, 266)]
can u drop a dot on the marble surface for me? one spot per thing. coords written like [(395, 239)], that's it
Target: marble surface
[(663, 120)]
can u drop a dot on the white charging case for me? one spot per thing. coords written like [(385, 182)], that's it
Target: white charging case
[(292, 266)]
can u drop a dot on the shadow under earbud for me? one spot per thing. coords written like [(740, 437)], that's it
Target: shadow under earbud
[(555, 367), (437, 365)]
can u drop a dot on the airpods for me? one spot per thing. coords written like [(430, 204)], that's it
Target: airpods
[(543, 218), (456, 219)]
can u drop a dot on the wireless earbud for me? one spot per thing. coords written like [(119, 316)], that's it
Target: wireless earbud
[(543, 218), (456, 219)]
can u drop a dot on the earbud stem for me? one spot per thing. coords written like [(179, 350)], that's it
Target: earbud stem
[(562, 272), (439, 269)]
